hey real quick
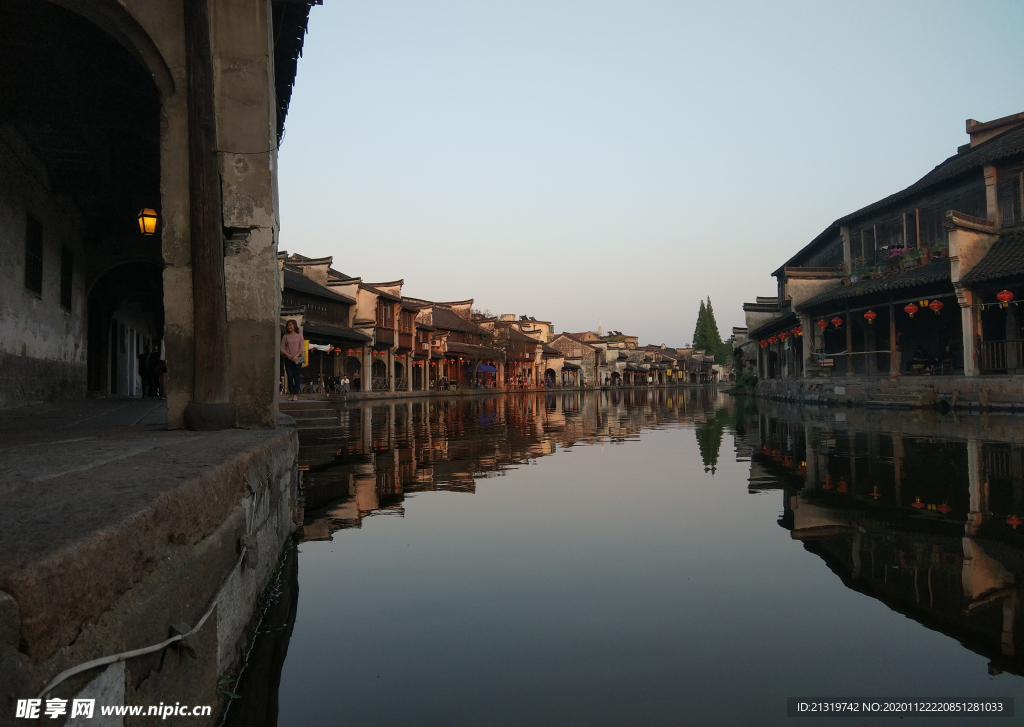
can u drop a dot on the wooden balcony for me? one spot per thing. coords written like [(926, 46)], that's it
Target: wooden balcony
[(384, 336), (405, 341)]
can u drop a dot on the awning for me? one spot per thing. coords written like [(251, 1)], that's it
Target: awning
[(570, 366), (486, 369)]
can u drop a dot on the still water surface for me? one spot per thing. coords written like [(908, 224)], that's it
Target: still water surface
[(669, 557)]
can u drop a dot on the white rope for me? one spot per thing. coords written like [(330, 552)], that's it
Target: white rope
[(125, 655)]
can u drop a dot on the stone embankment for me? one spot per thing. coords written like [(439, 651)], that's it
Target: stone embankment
[(116, 534), (981, 393)]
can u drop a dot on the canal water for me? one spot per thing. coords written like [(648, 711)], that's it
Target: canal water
[(658, 558)]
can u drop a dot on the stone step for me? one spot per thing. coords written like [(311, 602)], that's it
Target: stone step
[(313, 413), (315, 422)]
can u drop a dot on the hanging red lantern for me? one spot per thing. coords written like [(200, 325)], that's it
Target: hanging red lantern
[(870, 316), (1004, 297), (762, 343), (944, 508), (773, 340), (936, 305), (917, 503), (822, 324), (837, 321), (798, 331), (911, 309), (784, 335), (1013, 521), (842, 486)]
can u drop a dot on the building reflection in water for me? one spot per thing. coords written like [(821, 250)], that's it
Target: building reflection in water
[(380, 455), (920, 511)]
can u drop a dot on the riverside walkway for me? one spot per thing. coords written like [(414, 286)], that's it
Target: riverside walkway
[(114, 532)]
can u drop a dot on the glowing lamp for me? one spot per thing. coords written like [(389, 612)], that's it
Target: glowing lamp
[(917, 503), (147, 221), (870, 316), (784, 335), (1004, 297), (822, 324), (842, 486), (798, 331), (936, 305), (875, 493), (837, 321), (911, 309), (1013, 521), (944, 508)]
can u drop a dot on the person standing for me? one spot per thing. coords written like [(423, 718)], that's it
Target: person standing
[(291, 348)]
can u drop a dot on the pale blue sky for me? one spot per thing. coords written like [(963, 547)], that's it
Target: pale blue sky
[(579, 161)]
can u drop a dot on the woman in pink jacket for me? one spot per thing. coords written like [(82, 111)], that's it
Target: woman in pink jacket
[(291, 349)]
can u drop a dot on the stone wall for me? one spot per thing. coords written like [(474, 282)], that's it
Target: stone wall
[(1000, 393)]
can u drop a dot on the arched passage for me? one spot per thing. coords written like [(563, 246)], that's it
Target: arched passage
[(125, 315), (80, 118)]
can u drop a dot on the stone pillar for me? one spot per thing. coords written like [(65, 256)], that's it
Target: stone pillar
[(391, 369), (894, 354), (806, 343), (408, 369), (849, 344), (367, 372), (500, 376), (870, 344), (970, 323)]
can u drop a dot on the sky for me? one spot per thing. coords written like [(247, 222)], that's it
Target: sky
[(619, 162)]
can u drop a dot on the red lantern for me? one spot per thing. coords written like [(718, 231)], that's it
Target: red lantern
[(762, 344), (784, 335), (911, 309), (870, 316), (936, 305), (822, 324), (842, 486), (798, 331), (1013, 521), (944, 508), (773, 340), (917, 503), (837, 321), (1004, 297)]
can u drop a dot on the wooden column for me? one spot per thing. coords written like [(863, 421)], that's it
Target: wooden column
[(210, 407)]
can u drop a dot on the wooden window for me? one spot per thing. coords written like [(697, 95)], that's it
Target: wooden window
[(1009, 201), (67, 272), (34, 256)]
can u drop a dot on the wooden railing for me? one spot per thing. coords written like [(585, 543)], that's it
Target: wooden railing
[(1002, 356), (401, 383), (380, 383)]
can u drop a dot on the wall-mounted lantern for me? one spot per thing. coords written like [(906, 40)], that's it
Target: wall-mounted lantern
[(147, 221)]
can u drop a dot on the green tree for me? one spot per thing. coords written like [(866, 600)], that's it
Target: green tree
[(709, 440), (706, 335)]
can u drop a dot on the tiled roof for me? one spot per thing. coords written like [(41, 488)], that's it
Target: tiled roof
[(381, 293), (299, 282), (445, 319), (936, 272), (1009, 143), (1004, 259), (336, 332), (551, 350)]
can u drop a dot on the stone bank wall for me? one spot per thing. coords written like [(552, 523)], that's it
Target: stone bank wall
[(1004, 393), (103, 583)]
